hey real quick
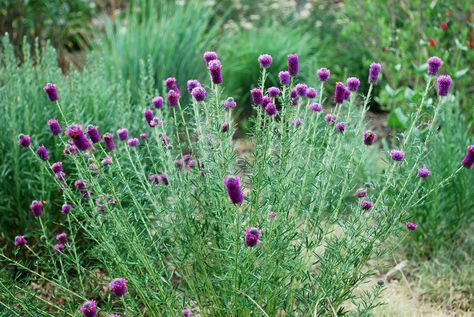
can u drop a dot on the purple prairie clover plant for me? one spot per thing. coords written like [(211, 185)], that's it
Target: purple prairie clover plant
[(199, 93), (233, 189), (271, 109), (468, 160), (434, 64), (109, 141), (20, 241), (61, 237), (297, 122), (273, 92), (369, 137), (366, 205), (118, 287), (411, 226), (272, 215), (340, 127), (323, 74), (284, 78), (266, 101), (330, 118), (59, 248), (122, 134), (209, 56), (257, 96), (172, 98), (311, 93), (143, 136), (186, 312), (339, 93), (252, 236), (171, 84), (24, 140), (361, 192), (265, 60), (78, 137), (191, 84), (397, 155), (316, 107), (229, 103), (444, 83), (353, 83), (423, 172), (54, 127), (93, 134), (157, 102), (133, 142), (293, 65), (89, 308), (225, 127), (301, 90), (148, 115), (66, 208), (36, 208), (215, 71), (42, 153), (374, 71), (51, 91)]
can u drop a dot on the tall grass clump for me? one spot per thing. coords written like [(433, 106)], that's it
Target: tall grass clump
[(174, 223)]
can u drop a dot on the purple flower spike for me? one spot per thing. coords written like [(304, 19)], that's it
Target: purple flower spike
[(329, 118), (42, 153), (293, 65), (353, 83), (468, 160), (366, 205), (61, 237), (89, 309), (434, 64), (170, 84), (232, 187), (361, 192), (78, 137), (369, 137), (148, 115), (225, 127), (65, 209), (374, 72), (323, 74), (444, 83), (340, 126), (159, 179), (133, 142), (122, 134), (191, 84), (301, 90), (284, 78), (172, 97), (266, 100), (24, 140), (157, 102), (273, 92), (57, 167), (265, 60), (186, 312), (297, 122), (252, 234), (272, 215), (155, 122), (271, 109), (143, 136), (52, 92), (411, 226), (397, 155), (109, 141), (20, 241), (230, 103), (316, 107), (93, 133), (209, 56), (199, 93), (37, 208), (423, 172), (215, 70), (178, 164), (257, 96), (106, 161), (118, 286), (311, 93), (59, 248), (54, 127), (339, 93)]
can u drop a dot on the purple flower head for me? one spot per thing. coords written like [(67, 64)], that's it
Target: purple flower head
[(186, 158), (172, 97), (118, 286), (80, 184), (257, 96), (323, 74), (59, 248), (143, 136), (397, 155), (209, 56), (423, 172), (20, 241), (42, 153), (61, 237), (225, 127), (155, 122), (340, 126), (61, 176), (301, 89), (157, 102), (366, 204), (369, 137), (468, 160), (374, 72), (191, 164), (199, 93), (178, 164), (148, 115), (106, 161), (339, 93), (57, 167), (78, 137), (294, 94), (37, 208), (89, 309), (330, 118), (66, 208), (271, 109), (170, 84), (444, 83), (361, 192), (252, 234), (232, 187), (109, 141), (229, 103), (293, 65), (54, 127), (70, 149), (311, 93), (122, 134), (297, 122), (272, 215), (294, 101), (284, 78), (347, 94), (215, 70), (353, 83), (411, 226), (186, 312), (265, 60), (273, 92), (133, 142), (434, 64), (191, 84), (24, 140), (266, 100), (316, 107), (52, 92), (93, 133)]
